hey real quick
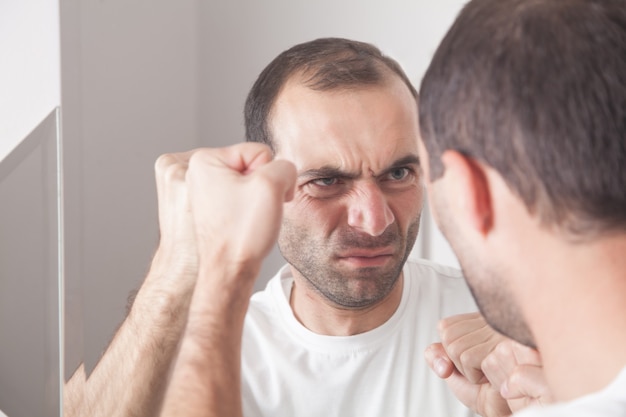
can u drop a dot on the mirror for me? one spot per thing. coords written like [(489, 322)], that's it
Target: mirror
[(30, 275), (144, 78)]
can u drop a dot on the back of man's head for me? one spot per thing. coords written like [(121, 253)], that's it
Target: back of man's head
[(537, 90), (323, 64)]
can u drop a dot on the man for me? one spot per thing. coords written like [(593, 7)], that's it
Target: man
[(339, 331), (343, 326), (523, 122)]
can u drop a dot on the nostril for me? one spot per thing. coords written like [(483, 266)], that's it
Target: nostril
[(372, 219)]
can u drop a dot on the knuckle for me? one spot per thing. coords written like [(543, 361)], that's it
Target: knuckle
[(197, 155), (200, 159), (471, 367), (465, 358), (445, 333), (163, 161), (489, 364), (516, 379), (503, 349), (170, 168), (194, 160), (455, 351), (175, 172)]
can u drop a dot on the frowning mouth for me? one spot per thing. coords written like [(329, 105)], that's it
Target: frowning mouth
[(366, 253), (367, 257)]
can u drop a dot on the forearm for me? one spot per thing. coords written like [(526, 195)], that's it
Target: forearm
[(236, 195), (206, 380), (131, 377), (73, 393)]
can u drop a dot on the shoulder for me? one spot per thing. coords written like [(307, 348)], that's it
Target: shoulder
[(440, 286), (609, 402), (576, 409), (439, 277), (430, 269)]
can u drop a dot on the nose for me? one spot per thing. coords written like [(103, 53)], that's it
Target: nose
[(368, 210)]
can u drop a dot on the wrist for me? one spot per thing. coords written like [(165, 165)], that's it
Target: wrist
[(168, 260), (165, 295), (221, 297)]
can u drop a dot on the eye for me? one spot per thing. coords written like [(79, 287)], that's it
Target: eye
[(398, 178), (326, 187), (398, 174), (325, 182)]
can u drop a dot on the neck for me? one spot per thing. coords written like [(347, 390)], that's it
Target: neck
[(322, 316), (581, 334)]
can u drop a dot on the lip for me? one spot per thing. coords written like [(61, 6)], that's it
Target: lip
[(367, 257), (366, 253)]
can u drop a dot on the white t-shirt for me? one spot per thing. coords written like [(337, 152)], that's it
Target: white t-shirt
[(287, 370), (610, 402)]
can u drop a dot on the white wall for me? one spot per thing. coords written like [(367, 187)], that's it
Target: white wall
[(29, 67)]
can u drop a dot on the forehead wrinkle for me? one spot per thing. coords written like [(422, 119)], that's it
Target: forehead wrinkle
[(316, 133)]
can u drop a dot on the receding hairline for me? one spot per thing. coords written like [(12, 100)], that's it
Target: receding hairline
[(301, 78)]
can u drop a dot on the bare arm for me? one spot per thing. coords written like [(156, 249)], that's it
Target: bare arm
[(131, 376), (206, 377), (236, 196), (218, 220)]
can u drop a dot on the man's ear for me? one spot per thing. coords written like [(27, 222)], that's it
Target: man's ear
[(468, 188)]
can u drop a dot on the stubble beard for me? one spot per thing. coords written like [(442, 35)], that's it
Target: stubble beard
[(316, 261), (485, 281)]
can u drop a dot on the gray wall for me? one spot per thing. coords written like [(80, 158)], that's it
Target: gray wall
[(129, 94), (29, 276)]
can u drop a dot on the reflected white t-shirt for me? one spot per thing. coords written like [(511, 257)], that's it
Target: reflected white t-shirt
[(610, 402), (287, 370)]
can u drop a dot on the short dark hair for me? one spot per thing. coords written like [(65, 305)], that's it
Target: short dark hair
[(536, 89), (326, 64)]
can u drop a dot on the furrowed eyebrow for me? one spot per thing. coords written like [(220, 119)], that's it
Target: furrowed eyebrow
[(406, 160), (334, 172), (327, 172), (400, 163)]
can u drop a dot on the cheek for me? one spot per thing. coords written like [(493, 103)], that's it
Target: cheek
[(408, 206), (317, 216)]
